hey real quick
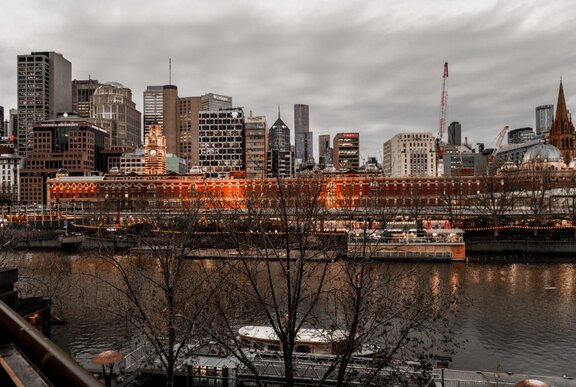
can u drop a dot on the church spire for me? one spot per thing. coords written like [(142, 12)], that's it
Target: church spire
[(561, 110)]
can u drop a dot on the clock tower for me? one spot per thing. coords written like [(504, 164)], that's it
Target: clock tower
[(155, 151)]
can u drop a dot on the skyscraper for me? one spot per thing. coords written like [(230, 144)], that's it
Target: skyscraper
[(544, 119), (562, 134), (112, 104), (161, 107), (324, 150), (2, 122), (221, 142), (82, 92), (188, 129), (455, 134), (44, 90), (302, 134), (280, 158)]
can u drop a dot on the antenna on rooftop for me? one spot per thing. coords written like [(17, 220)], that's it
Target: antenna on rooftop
[(169, 71)]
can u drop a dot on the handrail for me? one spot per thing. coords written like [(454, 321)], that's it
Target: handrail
[(55, 364)]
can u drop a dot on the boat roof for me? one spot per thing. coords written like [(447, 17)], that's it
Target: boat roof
[(444, 231), (304, 335)]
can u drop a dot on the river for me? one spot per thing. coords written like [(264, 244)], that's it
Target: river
[(517, 317)]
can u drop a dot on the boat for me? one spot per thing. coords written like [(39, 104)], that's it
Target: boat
[(404, 240), (308, 341), (71, 241)]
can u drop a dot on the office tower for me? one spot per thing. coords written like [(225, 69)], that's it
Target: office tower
[(280, 158), (562, 134), (2, 122), (520, 135), (113, 109), (213, 102), (161, 107), (324, 150), (455, 134), (302, 135), (544, 119), (346, 151), (189, 130), (69, 143), (82, 92), (221, 138), (256, 146), (410, 154), (44, 90)]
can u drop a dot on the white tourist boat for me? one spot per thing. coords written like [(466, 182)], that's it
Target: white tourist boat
[(436, 240), (308, 341)]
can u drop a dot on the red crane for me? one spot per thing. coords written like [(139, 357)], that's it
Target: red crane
[(443, 103)]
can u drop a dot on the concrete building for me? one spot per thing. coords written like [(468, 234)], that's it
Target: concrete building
[(213, 102), (221, 140), (113, 109), (520, 135), (189, 130), (324, 150), (69, 143), (455, 133), (346, 151), (512, 153), (544, 119), (410, 154), (132, 162), (44, 90), (82, 92), (303, 141), (161, 107), (255, 146)]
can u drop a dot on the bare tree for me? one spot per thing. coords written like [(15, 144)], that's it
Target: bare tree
[(158, 292), (495, 198)]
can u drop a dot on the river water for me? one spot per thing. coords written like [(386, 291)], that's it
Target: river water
[(518, 317)]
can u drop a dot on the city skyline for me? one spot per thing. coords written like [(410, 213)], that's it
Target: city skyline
[(372, 69)]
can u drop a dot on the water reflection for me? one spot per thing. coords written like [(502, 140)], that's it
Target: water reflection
[(520, 317)]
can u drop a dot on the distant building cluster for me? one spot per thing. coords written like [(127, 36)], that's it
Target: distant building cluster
[(79, 128)]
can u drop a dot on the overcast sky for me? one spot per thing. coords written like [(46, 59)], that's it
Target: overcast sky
[(369, 66)]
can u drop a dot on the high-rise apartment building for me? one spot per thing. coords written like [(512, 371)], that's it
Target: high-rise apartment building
[(346, 151), (44, 90), (256, 146), (544, 119), (455, 133), (410, 154), (302, 135), (221, 142), (113, 109), (82, 92), (13, 122), (189, 130), (161, 108), (324, 150), (215, 102)]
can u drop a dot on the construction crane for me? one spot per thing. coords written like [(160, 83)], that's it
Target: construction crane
[(443, 112), (443, 103), (501, 137)]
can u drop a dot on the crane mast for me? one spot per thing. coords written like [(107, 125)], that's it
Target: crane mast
[(443, 104)]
